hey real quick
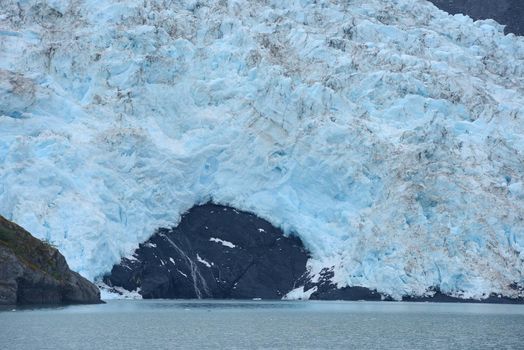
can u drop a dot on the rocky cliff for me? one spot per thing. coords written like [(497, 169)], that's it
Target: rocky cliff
[(34, 272), (215, 252), (507, 12)]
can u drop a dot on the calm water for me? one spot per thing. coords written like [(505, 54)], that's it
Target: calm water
[(142, 324)]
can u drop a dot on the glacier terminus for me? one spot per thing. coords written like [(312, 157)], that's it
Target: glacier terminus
[(387, 135)]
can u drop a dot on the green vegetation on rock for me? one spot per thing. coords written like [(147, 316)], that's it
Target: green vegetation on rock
[(34, 272)]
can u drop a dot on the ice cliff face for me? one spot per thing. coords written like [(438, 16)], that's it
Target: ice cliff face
[(388, 135)]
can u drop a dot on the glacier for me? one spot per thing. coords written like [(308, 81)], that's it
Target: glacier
[(387, 135)]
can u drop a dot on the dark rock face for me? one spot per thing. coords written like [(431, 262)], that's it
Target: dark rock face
[(507, 12), (32, 272), (326, 290), (439, 297), (215, 252)]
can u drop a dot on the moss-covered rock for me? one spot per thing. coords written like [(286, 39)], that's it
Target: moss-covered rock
[(34, 272)]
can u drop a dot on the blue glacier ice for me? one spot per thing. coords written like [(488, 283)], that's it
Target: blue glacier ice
[(388, 135)]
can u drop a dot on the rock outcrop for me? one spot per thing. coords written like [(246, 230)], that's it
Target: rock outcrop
[(34, 272), (215, 252), (507, 12)]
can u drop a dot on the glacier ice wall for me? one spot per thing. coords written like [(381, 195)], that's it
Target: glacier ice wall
[(388, 135)]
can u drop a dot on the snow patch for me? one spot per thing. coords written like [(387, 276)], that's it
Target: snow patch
[(200, 260), (110, 293), (131, 257), (224, 243)]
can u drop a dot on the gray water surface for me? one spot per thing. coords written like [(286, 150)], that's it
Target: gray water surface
[(176, 324)]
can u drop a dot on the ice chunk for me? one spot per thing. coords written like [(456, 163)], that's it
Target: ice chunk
[(299, 294)]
